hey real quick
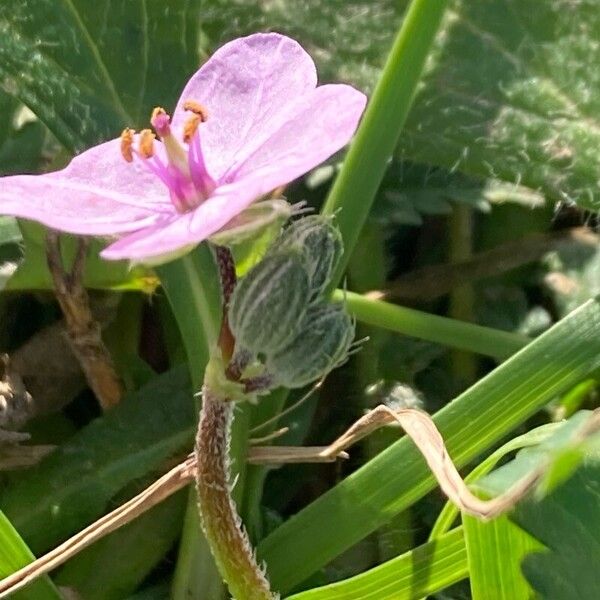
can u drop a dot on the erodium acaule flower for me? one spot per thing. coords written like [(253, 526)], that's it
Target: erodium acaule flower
[(250, 120)]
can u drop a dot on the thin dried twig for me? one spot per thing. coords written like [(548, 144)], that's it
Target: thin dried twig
[(269, 437), (83, 330), (429, 283), (418, 425)]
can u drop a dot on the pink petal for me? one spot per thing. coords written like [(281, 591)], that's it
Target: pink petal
[(249, 88), (188, 229), (98, 193), (324, 122)]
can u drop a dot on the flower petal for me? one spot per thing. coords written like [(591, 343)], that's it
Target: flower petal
[(324, 123), (98, 193), (182, 230), (249, 88)]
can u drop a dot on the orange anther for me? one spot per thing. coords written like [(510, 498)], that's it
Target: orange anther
[(127, 143), (190, 126), (196, 108), (146, 147)]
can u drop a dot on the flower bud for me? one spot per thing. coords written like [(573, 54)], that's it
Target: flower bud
[(321, 243), (321, 344), (269, 303)]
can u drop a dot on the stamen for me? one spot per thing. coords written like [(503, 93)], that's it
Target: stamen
[(146, 147), (196, 108), (127, 143), (160, 121), (190, 127)]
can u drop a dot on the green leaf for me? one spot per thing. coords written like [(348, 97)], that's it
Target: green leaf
[(15, 554), (76, 483), (398, 476), (33, 273), (89, 69), (115, 565), (567, 521), (495, 550), (420, 572), (511, 96)]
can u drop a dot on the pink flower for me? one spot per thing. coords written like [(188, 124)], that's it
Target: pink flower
[(250, 120)]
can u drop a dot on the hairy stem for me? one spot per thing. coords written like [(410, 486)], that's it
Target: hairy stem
[(221, 523)]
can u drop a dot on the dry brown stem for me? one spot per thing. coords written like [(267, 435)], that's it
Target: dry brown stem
[(83, 330)]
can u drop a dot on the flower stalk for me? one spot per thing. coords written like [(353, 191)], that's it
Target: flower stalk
[(221, 523), (219, 517)]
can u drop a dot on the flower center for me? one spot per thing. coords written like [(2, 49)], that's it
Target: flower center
[(185, 172)]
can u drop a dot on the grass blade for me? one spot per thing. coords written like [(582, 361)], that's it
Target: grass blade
[(415, 574), (495, 550), (433, 328), (15, 554), (365, 164)]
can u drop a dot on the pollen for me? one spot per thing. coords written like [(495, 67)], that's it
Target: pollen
[(146, 148), (127, 143), (190, 127), (196, 108)]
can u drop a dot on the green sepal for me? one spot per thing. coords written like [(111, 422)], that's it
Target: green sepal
[(270, 302), (216, 380), (322, 344), (321, 245)]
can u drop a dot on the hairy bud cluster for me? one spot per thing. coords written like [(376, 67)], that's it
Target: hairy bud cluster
[(278, 315)]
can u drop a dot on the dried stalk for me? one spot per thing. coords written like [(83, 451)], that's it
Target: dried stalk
[(83, 330)]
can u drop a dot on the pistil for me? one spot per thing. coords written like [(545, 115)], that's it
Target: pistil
[(176, 154)]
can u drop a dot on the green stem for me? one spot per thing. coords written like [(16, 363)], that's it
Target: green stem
[(462, 297), (433, 328), (192, 288), (366, 162)]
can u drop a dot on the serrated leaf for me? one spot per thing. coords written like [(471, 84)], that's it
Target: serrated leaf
[(87, 69), (513, 94)]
